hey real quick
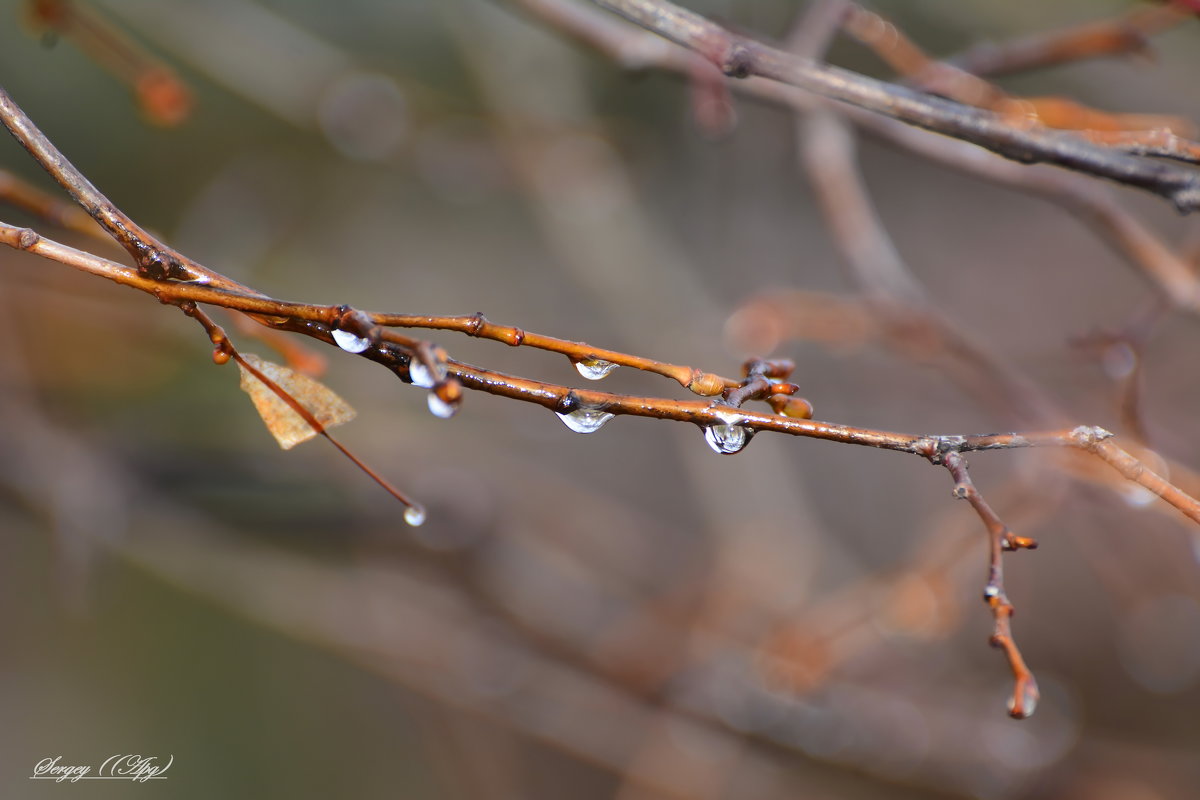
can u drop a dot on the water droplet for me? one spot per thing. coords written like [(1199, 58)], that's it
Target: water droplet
[(594, 368), (440, 408), (585, 420), (414, 515), (349, 342), (727, 438), (421, 376), (1027, 704)]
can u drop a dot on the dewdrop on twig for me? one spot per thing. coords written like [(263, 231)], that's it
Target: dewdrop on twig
[(727, 437), (594, 368), (349, 342), (414, 515), (585, 420), (422, 376)]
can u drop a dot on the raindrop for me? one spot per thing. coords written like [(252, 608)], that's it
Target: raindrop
[(414, 515), (594, 368), (349, 342), (727, 438), (440, 408), (1028, 702), (585, 420), (421, 375)]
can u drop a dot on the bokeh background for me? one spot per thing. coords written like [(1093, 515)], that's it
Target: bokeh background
[(620, 615)]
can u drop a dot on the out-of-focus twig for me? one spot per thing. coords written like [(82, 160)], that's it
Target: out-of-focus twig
[(1126, 34), (162, 96), (742, 57)]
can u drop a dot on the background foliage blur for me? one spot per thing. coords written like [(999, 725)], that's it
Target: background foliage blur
[(580, 617)]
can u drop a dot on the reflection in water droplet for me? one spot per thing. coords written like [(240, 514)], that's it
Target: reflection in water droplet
[(440, 408), (594, 368), (414, 515), (1028, 702), (420, 375), (349, 342), (728, 438), (585, 420)]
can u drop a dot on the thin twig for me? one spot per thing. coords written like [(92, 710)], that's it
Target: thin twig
[(1000, 539)]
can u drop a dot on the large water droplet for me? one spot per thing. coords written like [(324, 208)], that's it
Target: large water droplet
[(421, 376), (440, 408), (349, 342), (594, 368), (585, 420), (727, 438), (414, 515), (1027, 704)]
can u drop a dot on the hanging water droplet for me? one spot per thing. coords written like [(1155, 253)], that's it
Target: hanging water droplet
[(349, 342), (421, 376), (440, 408), (1024, 706), (585, 420), (594, 368), (414, 515), (727, 438)]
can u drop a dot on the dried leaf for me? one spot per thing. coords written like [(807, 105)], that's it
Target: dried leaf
[(288, 427)]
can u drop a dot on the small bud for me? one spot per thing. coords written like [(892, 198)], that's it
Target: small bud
[(796, 407), (706, 384)]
